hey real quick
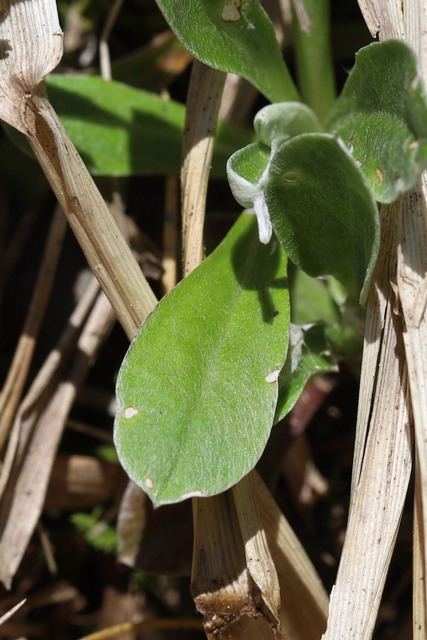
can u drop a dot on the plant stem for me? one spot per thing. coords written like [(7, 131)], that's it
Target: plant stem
[(313, 56)]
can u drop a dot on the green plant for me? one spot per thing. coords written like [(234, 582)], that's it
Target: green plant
[(227, 353), (203, 354)]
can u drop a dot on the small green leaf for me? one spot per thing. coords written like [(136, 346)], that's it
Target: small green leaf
[(309, 355), (122, 131), (322, 209), (235, 36), (382, 117), (198, 388), (311, 300), (247, 169), (285, 120)]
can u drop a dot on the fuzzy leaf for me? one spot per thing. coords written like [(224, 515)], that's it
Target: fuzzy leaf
[(381, 115), (309, 355), (235, 36), (285, 120), (198, 388), (322, 210), (245, 170)]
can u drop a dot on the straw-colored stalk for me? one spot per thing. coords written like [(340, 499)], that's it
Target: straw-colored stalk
[(32, 47), (393, 389)]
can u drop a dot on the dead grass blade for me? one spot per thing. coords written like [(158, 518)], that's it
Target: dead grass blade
[(10, 613), (252, 587), (203, 102), (34, 30), (384, 18), (412, 288), (170, 234), (80, 482), (418, 565), (24, 420), (130, 524), (221, 584), (18, 371), (258, 557), (380, 489), (304, 607), (25, 494), (107, 252)]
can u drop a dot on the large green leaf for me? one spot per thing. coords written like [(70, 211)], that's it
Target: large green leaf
[(235, 36), (123, 131), (322, 209), (382, 117), (198, 388)]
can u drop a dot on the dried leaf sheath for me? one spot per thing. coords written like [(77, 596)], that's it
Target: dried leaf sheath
[(32, 47), (106, 250), (380, 488)]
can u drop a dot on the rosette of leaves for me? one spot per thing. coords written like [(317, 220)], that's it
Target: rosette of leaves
[(218, 362), (318, 189)]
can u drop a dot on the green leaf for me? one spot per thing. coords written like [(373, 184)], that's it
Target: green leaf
[(247, 169), (123, 131), (98, 533), (382, 117), (285, 120), (235, 36), (322, 210), (198, 388), (311, 300), (309, 355)]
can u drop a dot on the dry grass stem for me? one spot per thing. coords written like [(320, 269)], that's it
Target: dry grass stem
[(80, 482), (302, 16), (10, 613), (412, 287), (104, 54), (418, 565), (258, 557), (384, 18), (304, 607), (24, 419), (252, 586), (170, 234), (380, 488), (221, 584), (34, 30), (18, 371), (238, 100), (130, 523), (305, 482), (26, 490), (106, 250), (203, 103)]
